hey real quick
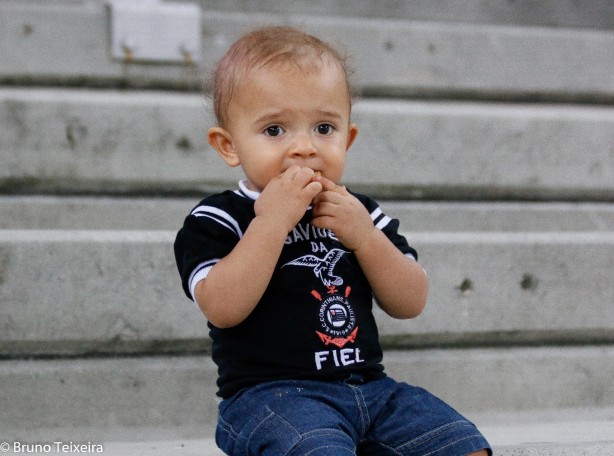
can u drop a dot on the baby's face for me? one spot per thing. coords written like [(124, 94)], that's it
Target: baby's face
[(280, 117)]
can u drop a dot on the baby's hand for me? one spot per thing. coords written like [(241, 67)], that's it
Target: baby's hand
[(338, 210), (287, 196)]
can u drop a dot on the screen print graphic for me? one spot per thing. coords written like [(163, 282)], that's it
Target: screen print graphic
[(322, 267), (335, 313)]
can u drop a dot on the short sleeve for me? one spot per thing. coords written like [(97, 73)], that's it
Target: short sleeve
[(389, 226), (209, 233)]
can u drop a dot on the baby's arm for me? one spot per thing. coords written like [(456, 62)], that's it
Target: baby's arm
[(236, 283), (399, 283)]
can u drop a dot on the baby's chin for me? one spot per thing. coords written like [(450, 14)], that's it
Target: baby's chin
[(251, 186)]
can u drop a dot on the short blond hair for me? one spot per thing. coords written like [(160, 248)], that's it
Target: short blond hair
[(270, 46)]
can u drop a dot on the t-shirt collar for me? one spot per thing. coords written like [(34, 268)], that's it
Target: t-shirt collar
[(252, 194)]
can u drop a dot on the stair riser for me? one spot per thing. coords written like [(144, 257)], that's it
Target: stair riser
[(78, 141), (74, 292), (179, 392)]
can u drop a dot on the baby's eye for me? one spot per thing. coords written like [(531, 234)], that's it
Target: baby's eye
[(273, 130), (325, 129)]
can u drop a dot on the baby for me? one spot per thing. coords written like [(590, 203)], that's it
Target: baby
[(286, 269)]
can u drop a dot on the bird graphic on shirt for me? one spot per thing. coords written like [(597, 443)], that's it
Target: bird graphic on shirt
[(322, 267)]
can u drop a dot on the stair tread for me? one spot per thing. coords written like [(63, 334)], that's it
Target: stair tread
[(543, 432), (157, 213)]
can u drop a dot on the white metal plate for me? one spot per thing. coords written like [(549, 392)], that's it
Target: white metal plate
[(152, 31)]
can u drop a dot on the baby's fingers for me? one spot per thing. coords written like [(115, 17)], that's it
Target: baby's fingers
[(329, 185), (312, 190)]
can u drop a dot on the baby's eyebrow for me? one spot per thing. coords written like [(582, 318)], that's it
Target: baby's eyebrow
[(276, 116), (330, 114), (270, 117)]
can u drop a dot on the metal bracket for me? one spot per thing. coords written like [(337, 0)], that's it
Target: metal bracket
[(153, 31)]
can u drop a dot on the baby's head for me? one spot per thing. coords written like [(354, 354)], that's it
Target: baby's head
[(270, 47), (282, 99)]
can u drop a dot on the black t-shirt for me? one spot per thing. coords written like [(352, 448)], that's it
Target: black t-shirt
[(314, 320)]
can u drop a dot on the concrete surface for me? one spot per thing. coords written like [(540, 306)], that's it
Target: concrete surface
[(399, 56), (157, 213), (207, 447), (486, 102), (572, 431), (551, 13), (546, 433), (110, 141), (179, 391), (71, 292)]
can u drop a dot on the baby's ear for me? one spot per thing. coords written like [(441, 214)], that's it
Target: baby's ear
[(221, 140), (352, 133)]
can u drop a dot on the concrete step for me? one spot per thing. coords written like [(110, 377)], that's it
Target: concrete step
[(567, 431), (548, 13), (399, 57), (139, 393), (207, 447), (155, 213), (553, 433), (152, 142), (72, 292)]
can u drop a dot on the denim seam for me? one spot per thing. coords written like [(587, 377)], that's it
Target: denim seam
[(316, 433), (253, 431), (454, 443), (327, 446), (227, 427), (323, 431), (388, 447), (271, 414), (422, 439), (365, 420)]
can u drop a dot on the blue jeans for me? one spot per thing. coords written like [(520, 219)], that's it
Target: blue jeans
[(381, 417)]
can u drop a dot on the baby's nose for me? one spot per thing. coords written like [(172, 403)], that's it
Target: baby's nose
[(303, 146)]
